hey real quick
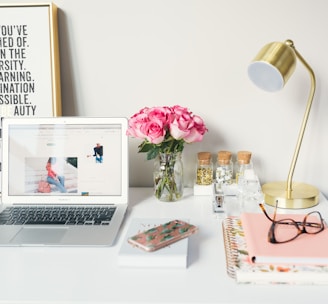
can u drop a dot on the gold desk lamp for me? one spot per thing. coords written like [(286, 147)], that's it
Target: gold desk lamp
[(270, 70)]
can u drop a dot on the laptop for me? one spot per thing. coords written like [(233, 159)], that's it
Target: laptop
[(64, 181)]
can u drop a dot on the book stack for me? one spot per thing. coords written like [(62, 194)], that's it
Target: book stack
[(172, 256), (252, 259)]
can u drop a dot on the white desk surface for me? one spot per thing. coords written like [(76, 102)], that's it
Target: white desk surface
[(91, 275)]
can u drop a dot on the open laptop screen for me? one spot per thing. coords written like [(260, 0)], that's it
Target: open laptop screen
[(63, 159)]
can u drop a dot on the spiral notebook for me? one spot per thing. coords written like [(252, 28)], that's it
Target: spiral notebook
[(242, 270)]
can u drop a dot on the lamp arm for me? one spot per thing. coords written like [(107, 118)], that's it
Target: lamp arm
[(305, 119)]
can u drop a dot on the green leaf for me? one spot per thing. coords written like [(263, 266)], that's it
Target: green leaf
[(152, 153), (166, 230), (151, 230), (150, 237), (145, 146), (183, 230), (166, 237)]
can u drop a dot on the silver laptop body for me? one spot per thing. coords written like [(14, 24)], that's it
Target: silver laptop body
[(61, 162)]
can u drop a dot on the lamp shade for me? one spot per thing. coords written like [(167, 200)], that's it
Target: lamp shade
[(272, 67)]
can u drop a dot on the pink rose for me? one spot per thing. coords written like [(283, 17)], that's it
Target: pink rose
[(154, 131), (136, 123), (159, 113), (157, 124), (180, 111), (181, 122), (197, 131), (179, 129)]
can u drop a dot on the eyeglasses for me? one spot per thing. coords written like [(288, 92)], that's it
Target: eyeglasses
[(286, 230)]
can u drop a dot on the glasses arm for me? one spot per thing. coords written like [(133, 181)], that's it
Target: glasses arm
[(265, 213)]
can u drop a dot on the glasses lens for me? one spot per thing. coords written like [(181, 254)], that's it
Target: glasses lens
[(285, 230), (313, 222)]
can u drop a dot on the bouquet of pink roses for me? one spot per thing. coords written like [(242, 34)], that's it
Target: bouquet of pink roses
[(165, 129)]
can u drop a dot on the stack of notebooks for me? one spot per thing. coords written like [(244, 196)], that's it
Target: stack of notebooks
[(252, 259)]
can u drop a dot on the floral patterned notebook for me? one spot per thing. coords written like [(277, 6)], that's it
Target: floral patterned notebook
[(239, 267)]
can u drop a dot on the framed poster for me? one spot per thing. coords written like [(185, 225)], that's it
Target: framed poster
[(29, 61)]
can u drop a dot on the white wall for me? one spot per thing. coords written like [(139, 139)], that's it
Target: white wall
[(118, 56)]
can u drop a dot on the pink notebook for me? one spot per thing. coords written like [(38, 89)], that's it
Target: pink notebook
[(311, 249)]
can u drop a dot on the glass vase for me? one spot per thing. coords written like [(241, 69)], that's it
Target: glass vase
[(168, 177)]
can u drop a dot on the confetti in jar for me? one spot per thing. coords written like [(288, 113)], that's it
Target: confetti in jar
[(204, 169), (224, 169)]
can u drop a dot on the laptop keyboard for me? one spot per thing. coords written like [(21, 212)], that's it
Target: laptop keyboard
[(58, 215)]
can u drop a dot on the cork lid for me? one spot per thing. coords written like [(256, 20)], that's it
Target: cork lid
[(244, 157), (224, 157), (204, 158)]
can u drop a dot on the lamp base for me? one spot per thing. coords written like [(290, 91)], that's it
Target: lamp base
[(302, 195)]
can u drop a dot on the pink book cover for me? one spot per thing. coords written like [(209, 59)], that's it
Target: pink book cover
[(311, 249)]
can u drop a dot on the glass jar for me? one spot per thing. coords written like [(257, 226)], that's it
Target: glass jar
[(243, 163), (224, 168), (168, 177), (204, 175)]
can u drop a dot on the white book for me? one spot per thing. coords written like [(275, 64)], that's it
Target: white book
[(172, 256)]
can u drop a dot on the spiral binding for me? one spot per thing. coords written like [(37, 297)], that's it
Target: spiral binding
[(230, 245)]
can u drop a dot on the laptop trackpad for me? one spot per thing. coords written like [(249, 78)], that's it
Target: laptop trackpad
[(39, 235)]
